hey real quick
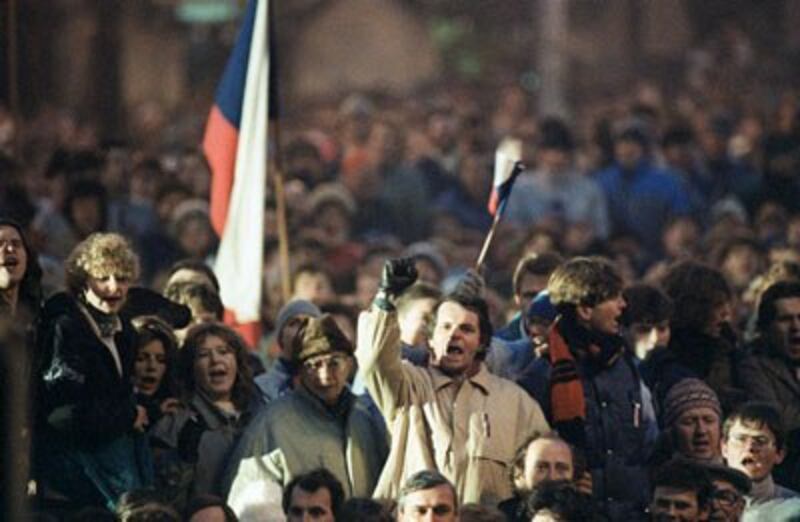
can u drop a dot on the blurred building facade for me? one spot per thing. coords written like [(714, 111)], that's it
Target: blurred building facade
[(109, 59)]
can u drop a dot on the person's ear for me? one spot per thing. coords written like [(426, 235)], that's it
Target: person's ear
[(584, 312), (351, 372), (780, 454)]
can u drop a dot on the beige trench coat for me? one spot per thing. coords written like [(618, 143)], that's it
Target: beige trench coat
[(468, 432)]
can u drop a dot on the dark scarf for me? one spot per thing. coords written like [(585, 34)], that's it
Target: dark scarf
[(569, 341), (340, 410), (106, 323)]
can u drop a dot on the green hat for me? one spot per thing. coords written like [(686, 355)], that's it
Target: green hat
[(319, 336)]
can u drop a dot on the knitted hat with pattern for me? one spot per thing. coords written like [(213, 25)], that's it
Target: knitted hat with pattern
[(687, 394)]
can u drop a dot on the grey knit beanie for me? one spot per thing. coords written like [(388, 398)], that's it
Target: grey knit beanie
[(292, 309)]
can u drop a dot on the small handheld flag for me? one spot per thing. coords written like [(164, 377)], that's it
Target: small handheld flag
[(507, 167)]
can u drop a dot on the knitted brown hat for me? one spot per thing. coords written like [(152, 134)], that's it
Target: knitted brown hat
[(688, 394), (318, 336)]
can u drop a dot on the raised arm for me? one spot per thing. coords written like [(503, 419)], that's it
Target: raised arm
[(390, 383)]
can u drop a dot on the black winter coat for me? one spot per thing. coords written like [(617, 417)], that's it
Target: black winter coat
[(83, 397)]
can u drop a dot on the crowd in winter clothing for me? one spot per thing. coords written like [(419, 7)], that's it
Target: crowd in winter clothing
[(629, 350)]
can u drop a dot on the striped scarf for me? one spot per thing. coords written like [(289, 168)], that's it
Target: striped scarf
[(567, 400), (566, 391)]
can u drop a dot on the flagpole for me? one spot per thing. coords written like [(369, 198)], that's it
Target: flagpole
[(497, 206), (487, 241), (280, 211), (280, 193)]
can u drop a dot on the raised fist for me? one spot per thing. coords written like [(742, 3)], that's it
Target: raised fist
[(398, 274)]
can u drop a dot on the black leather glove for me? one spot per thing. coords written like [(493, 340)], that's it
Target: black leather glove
[(397, 275)]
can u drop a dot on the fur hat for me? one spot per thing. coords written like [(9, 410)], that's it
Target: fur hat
[(687, 394), (319, 336)]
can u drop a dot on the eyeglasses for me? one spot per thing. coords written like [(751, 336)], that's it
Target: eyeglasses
[(333, 363), (757, 441), (726, 497)]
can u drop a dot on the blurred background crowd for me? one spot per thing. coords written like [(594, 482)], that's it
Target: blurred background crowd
[(711, 129), (652, 133)]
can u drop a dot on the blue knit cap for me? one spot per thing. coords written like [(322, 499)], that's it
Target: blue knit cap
[(541, 308)]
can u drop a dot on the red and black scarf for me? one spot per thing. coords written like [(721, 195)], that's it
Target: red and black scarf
[(567, 400)]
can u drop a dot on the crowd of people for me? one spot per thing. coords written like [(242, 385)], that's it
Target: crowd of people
[(628, 351)]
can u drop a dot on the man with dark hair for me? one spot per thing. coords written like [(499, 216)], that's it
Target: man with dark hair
[(315, 495), (427, 495), (770, 371), (754, 442), (590, 388), (453, 416), (530, 278), (559, 500), (681, 492), (646, 318)]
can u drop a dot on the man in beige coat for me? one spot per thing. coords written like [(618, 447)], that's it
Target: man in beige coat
[(455, 416)]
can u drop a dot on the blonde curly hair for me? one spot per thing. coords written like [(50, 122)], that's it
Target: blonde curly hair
[(100, 255)]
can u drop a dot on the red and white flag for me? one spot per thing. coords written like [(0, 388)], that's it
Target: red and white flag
[(235, 144), (507, 167)]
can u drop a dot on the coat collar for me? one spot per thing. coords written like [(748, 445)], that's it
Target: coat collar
[(339, 410), (779, 369), (480, 379)]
